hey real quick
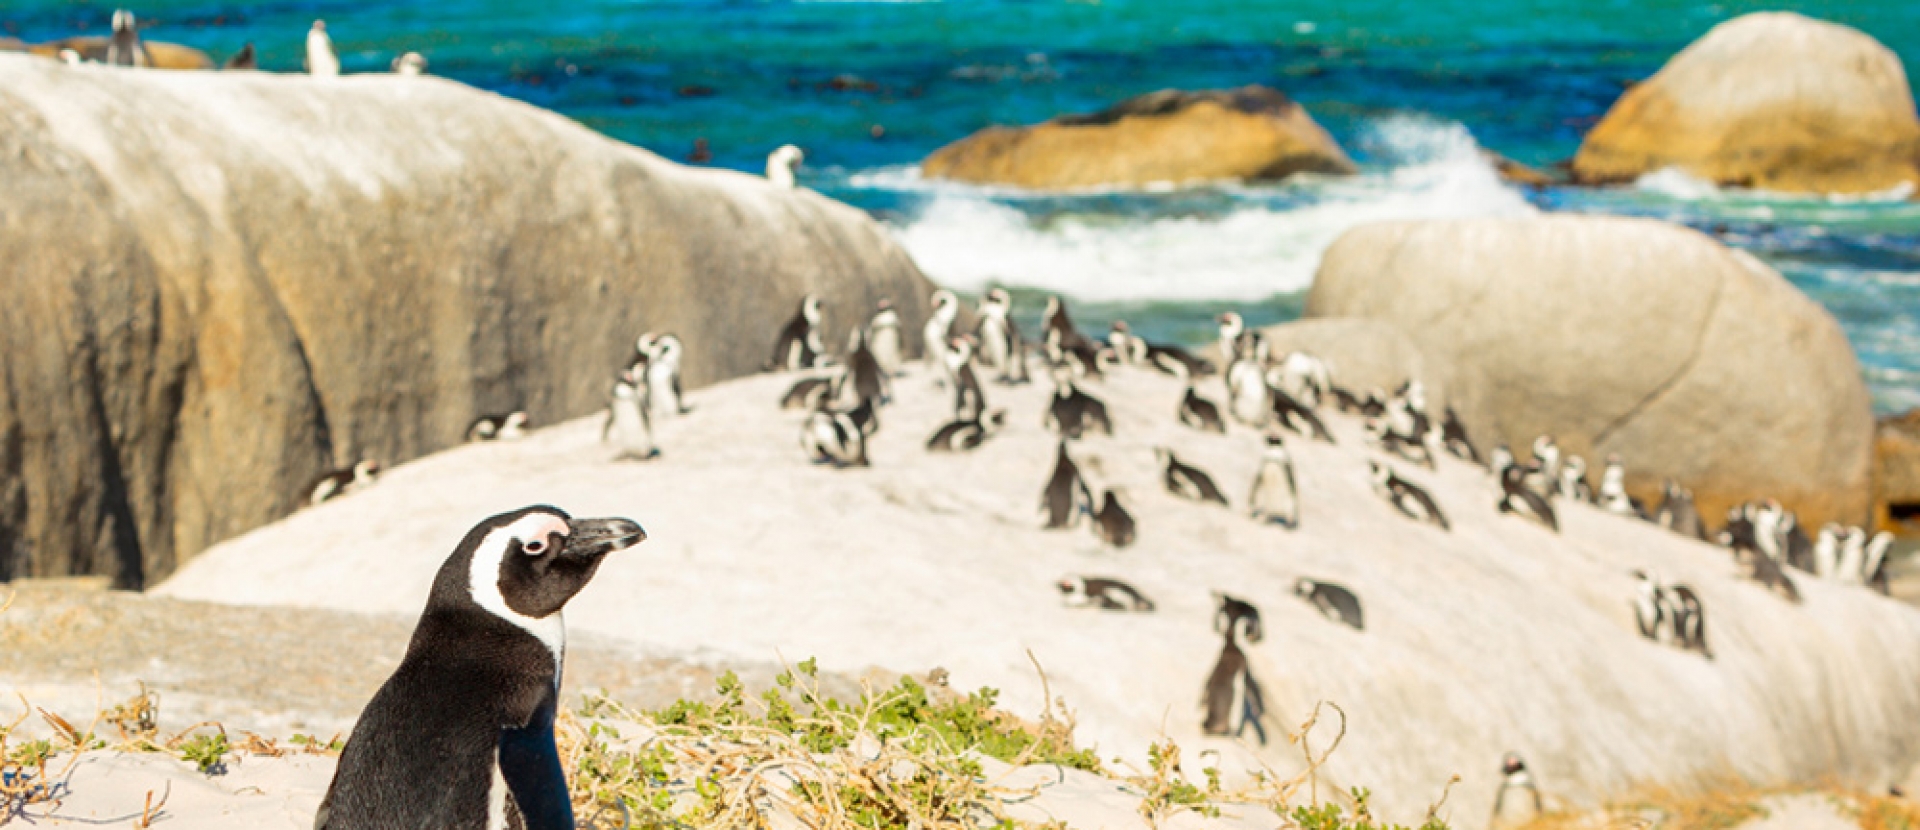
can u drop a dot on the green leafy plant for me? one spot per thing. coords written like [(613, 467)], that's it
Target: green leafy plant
[(207, 751)]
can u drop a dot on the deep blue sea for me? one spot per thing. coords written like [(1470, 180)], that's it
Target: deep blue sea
[(1411, 89)]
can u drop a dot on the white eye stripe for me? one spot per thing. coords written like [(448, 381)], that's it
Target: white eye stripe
[(484, 575)]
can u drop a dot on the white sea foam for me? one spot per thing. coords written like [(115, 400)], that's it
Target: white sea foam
[(1674, 183), (1268, 241)]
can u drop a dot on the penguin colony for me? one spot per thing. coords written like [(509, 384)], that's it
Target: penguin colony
[(124, 48)]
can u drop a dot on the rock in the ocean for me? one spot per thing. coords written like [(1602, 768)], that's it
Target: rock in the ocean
[(1771, 100), (1692, 360), (214, 286), (1169, 136), (165, 55)]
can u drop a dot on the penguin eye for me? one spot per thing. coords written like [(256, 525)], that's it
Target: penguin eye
[(535, 547)]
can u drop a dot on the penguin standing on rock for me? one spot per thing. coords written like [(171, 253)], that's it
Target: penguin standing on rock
[(969, 398), (411, 64), (809, 393), (1299, 417), (508, 427), (798, 346), (1516, 497), (657, 362), (883, 339), (996, 340), (461, 736), (124, 47), (1453, 434), (242, 61), (1334, 602), (1073, 412), (962, 436), (321, 62), (1274, 497), (1613, 496), (1066, 496), (939, 328), (1677, 512), (1186, 481), (1232, 701), (839, 437), (629, 424), (1573, 480), (1651, 612), (1249, 400), (341, 482), (1104, 594), (1200, 413), (863, 372), (1517, 803), (780, 166), (1405, 497), (1112, 523)]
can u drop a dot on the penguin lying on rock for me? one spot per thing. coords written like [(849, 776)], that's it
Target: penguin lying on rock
[(461, 736)]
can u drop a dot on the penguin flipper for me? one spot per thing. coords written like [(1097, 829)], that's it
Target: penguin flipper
[(530, 764)]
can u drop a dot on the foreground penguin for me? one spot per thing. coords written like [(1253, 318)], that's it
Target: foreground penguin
[(1232, 699), (1405, 497), (798, 345), (321, 62), (1517, 803), (461, 736), (1186, 481), (124, 47), (1274, 497), (341, 482), (1104, 594), (1334, 602)]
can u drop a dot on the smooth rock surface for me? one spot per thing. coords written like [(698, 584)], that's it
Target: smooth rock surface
[(1692, 360), (1772, 100), (215, 286)]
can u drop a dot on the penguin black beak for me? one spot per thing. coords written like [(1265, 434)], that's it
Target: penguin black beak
[(593, 538)]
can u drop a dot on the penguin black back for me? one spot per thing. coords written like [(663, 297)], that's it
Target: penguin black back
[(462, 734)]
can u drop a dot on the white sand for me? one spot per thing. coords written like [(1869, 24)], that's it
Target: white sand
[(1497, 636)]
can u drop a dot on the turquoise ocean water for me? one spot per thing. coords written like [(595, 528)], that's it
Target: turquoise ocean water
[(1411, 89)]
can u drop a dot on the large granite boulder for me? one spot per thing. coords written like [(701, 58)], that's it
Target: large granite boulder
[(1771, 100), (1169, 136), (214, 286), (1692, 360)]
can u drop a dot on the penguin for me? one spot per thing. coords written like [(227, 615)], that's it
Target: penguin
[(1738, 532), (508, 427), (798, 345), (1127, 349), (809, 393), (1546, 456), (1762, 569), (1676, 512), (1230, 612), (939, 329), (1073, 412), (1112, 523), (71, 57), (1517, 498), (1249, 399), (461, 735), (1066, 496), (969, 399), (996, 344), (321, 62), (629, 424), (1573, 481), (1517, 803), (1296, 416), (1305, 378), (336, 483), (781, 163), (1799, 548), (1393, 443), (663, 373), (1177, 362), (1689, 620), (1826, 552), (863, 371), (242, 60), (1232, 699), (1651, 612), (1186, 481), (961, 436), (124, 47), (1613, 496), (839, 437), (1104, 594), (1453, 433), (1275, 498), (411, 64), (1015, 372), (1237, 342), (1345, 401), (1853, 558), (1498, 461), (1334, 602), (1200, 413), (883, 338), (1769, 531), (1375, 405), (1405, 497), (1056, 326), (1875, 570)]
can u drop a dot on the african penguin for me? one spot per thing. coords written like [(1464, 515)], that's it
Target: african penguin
[(411, 64), (1454, 434), (863, 373), (1546, 456), (1346, 401), (1200, 413), (1102, 593), (1186, 481), (629, 424), (839, 437), (242, 60), (1853, 558), (461, 735), (1237, 341), (124, 47), (1573, 480), (1676, 512), (809, 393), (1516, 497), (1405, 497), (883, 338), (996, 341), (1072, 412), (507, 427), (1305, 378), (1762, 569), (321, 62), (1769, 530), (1334, 602), (1393, 443), (1650, 609), (1066, 496), (1826, 552), (337, 483), (939, 328), (961, 436), (1517, 803), (1112, 523), (798, 345), (1874, 571), (1613, 496), (1232, 701), (1249, 400), (1274, 497), (1799, 548), (969, 398), (71, 57), (1127, 349), (1297, 416), (1230, 612), (1689, 620), (663, 373), (781, 163)]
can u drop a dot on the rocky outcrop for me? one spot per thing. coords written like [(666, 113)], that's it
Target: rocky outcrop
[(1692, 360), (1771, 100), (214, 286), (1169, 136)]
